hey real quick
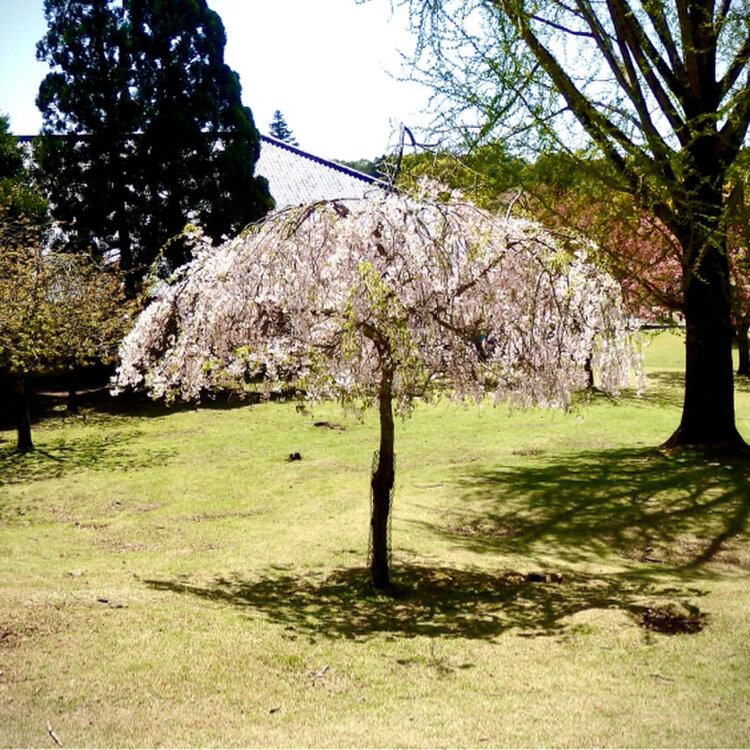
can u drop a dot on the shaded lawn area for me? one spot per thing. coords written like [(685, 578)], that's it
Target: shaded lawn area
[(684, 510), (444, 602), (169, 578)]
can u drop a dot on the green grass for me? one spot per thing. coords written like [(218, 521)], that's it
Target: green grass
[(170, 579)]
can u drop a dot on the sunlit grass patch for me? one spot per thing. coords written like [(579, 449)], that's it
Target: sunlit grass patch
[(171, 578)]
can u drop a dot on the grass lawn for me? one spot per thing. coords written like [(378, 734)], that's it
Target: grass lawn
[(171, 579)]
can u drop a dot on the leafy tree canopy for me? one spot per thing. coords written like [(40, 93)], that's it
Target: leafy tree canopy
[(659, 90), (57, 310)]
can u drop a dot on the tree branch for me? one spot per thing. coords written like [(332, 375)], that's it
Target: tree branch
[(738, 64), (655, 11), (633, 38), (605, 133), (732, 135)]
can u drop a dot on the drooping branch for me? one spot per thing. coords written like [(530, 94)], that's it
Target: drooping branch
[(383, 303)]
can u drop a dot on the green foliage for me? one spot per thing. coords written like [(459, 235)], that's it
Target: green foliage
[(374, 167), (152, 128), (658, 90), (24, 325), (20, 200), (11, 156), (487, 175), (57, 310), (66, 310)]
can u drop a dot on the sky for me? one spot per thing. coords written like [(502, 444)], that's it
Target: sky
[(330, 66)]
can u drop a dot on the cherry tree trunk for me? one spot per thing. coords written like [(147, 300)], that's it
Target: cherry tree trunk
[(382, 486)]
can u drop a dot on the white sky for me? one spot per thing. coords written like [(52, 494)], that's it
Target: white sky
[(328, 65)]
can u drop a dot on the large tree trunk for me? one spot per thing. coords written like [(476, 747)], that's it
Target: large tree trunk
[(743, 348), (382, 485), (20, 407), (708, 409), (708, 418)]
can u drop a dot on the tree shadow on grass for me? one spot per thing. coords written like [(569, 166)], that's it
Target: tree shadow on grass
[(683, 510), (665, 514), (141, 406), (663, 390), (435, 601), (98, 452)]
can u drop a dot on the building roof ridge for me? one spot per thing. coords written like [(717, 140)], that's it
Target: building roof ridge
[(368, 178)]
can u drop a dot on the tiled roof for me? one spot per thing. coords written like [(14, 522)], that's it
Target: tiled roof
[(295, 177)]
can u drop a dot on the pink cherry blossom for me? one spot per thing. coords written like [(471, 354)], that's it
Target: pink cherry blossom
[(380, 301)]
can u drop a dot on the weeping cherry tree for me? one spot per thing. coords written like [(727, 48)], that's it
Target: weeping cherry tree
[(381, 301)]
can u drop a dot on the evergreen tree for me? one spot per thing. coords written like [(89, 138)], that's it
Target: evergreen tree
[(280, 130), (153, 130), (86, 100)]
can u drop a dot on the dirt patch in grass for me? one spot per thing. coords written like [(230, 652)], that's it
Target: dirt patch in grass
[(219, 515), (29, 624), (504, 528), (121, 545), (685, 550), (671, 619)]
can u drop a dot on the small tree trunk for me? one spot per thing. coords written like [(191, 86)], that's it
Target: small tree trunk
[(589, 373), (382, 484), (72, 404), (743, 348), (20, 406)]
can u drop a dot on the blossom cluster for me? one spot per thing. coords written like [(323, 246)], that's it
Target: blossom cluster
[(325, 297)]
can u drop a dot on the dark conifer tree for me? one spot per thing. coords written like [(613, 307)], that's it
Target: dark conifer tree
[(154, 130), (86, 101), (280, 130)]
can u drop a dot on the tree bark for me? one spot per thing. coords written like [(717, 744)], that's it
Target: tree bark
[(708, 417), (20, 407), (589, 370), (382, 485), (743, 348)]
